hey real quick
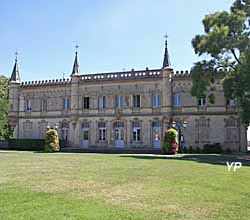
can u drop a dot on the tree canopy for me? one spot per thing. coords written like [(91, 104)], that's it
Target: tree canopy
[(226, 42), (4, 127)]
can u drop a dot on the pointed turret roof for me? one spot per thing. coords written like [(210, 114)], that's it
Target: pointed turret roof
[(166, 61), (75, 70), (15, 76)]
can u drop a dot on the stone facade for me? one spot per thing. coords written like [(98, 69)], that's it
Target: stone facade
[(123, 110)]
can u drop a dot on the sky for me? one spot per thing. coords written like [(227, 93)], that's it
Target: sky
[(113, 35)]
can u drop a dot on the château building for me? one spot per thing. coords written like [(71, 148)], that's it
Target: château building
[(129, 109)]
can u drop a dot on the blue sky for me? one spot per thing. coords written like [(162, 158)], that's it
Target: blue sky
[(112, 35)]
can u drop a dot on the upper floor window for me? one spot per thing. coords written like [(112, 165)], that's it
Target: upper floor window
[(202, 102), (156, 100), (136, 101), (102, 102), (177, 100), (28, 105), (44, 105), (119, 101), (66, 104), (231, 102), (86, 102)]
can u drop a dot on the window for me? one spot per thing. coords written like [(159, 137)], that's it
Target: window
[(119, 101), (102, 102), (156, 100), (86, 102), (136, 131), (202, 102), (231, 102), (102, 131), (66, 104), (136, 101), (177, 100), (43, 105), (28, 105)]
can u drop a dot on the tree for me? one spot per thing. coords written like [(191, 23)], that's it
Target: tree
[(226, 41), (5, 130)]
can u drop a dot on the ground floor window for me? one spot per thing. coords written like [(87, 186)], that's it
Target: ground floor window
[(102, 131), (136, 129)]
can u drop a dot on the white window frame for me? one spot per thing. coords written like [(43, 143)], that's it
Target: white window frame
[(119, 101), (202, 102), (177, 100), (44, 105), (156, 100), (102, 134), (102, 102), (28, 105), (135, 101), (66, 103)]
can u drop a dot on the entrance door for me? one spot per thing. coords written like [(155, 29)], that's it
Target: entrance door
[(156, 134), (119, 137), (85, 137)]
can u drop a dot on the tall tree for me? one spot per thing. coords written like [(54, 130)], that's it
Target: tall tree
[(226, 41), (5, 131)]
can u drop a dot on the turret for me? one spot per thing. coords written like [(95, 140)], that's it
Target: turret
[(74, 103), (14, 87), (167, 72)]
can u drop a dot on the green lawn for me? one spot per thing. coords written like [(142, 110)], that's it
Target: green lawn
[(43, 186)]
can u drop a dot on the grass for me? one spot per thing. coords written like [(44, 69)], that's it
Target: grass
[(98, 186)]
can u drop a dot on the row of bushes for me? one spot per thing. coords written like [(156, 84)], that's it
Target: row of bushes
[(29, 144), (215, 148)]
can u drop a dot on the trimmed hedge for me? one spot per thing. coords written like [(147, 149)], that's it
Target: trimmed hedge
[(26, 144), (212, 148), (29, 144)]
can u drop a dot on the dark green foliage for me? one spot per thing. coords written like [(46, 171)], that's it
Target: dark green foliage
[(5, 131), (226, 40), (212, 148), (198, 150), (26, 144), (165, 147), (228, 151), (190, 150), (184, 150)]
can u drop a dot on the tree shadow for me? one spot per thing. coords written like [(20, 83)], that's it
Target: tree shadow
[(215, 159)]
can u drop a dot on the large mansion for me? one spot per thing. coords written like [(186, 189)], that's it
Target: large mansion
[(129, 109)]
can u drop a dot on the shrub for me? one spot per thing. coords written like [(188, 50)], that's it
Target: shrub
[(228, 151), (170, 144), (198, 150), (190, 150), (184, 150), (212, 148), (51, 141)]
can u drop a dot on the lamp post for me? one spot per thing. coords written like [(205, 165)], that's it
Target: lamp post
[(179, 126), (55, 126)]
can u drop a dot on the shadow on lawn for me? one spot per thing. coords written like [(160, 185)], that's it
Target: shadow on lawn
[(217, 159)]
